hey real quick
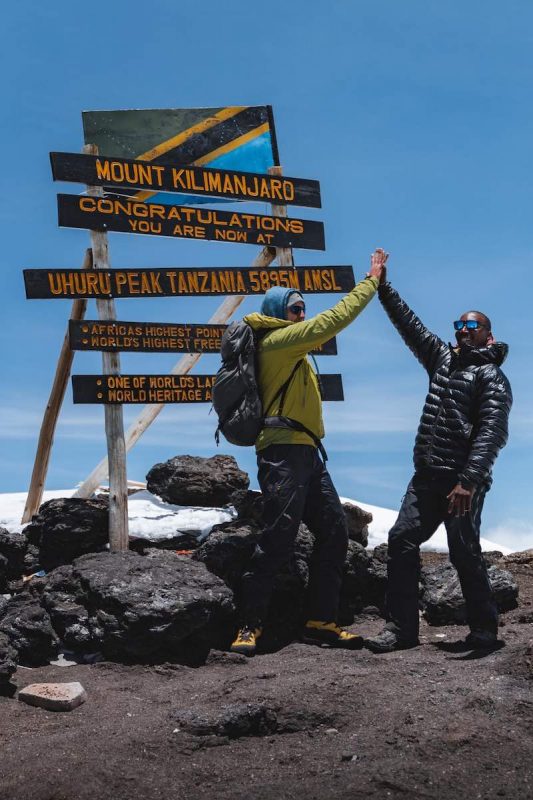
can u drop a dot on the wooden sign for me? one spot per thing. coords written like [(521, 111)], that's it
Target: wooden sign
[(177, 282), (127, 173), (155, 337), (116, 213), (225, 137), (112, 389)]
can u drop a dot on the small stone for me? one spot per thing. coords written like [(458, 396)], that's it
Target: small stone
[(61, 661), (54, 696), (348, 757), (330, 731)]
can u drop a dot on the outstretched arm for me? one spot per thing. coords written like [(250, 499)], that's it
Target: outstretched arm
[(305, 336), (426, 346)]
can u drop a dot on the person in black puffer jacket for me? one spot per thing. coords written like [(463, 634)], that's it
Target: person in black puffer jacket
[(464, 425)]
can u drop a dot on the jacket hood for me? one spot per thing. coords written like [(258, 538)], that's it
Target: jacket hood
[(495, 353), (276, 300)]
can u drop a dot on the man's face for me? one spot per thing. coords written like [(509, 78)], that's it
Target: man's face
[(477, 337), (296, 311)]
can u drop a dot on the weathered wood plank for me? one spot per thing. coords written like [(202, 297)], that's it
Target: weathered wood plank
[(53, 408), (114, 425)]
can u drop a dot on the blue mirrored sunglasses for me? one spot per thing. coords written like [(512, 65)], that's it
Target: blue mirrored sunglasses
[(469, 324), (297, 308)]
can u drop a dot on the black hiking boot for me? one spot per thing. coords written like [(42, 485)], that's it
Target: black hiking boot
[(387, 641), (482, 640)]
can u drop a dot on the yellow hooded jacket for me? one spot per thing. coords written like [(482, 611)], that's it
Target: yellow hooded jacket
[(283, 346)]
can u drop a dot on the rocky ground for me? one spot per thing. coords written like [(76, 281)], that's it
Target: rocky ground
[(302, 722)]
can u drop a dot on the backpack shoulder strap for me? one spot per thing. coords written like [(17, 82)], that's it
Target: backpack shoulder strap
[(282, 391)]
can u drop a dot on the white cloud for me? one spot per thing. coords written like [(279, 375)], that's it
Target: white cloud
[(373, 411), (517, 534)]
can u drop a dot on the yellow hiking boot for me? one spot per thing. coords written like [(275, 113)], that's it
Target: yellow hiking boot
[(329, 633), (246, 641)]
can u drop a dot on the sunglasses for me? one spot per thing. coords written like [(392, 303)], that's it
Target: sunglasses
[(297, 308), (469, 324)]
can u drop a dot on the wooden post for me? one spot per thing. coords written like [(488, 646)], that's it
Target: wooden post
[(114, 425), (223, 313), (51, 414), (283, 254)]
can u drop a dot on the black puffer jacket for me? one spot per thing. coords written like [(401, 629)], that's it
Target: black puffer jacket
[(465, 416)]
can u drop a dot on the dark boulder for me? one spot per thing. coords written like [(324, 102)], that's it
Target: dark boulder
[(358, 521), (29, 630), (8, 665), (13, 548), (355, 583), (233, 721), (195, 481), (4, 567), (228, 549), (140, 608), (376, 579), (67, 528), (227, 552), (442, 600), (183, 540), (238, 720), (251, 508)]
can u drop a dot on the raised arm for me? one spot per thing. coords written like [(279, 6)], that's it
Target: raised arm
[(426, 346), (302, 337)]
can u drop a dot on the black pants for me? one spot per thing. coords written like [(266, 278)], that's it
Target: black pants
[(296, 487), (423, 509)]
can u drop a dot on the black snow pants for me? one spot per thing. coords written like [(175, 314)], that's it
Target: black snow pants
[(296, 487), (423, 509)]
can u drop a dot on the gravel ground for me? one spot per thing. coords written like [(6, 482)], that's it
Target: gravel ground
[(428, 722)]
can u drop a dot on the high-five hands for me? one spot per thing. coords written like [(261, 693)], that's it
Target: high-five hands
[(378, 262)]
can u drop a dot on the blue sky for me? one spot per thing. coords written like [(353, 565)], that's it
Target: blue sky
[(416, 118)]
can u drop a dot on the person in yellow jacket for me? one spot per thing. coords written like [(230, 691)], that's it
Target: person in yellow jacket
[(294, 481)]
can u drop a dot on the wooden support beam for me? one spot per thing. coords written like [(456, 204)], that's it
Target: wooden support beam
[(51, 414), (114, 425), (223, 313), (284, 255)]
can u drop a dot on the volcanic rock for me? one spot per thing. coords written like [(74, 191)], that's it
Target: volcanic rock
[(355, 582), (358, 521), (13, 548), (442, 600), (139, 608), (234, 721), (8, 665), (195, 481), (248, 719), (29, 630), (227, 552), (376, 585), (54, 696), (228, 549), (67, 528)]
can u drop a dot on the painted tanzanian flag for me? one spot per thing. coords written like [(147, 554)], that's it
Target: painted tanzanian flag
[(232, 137)]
